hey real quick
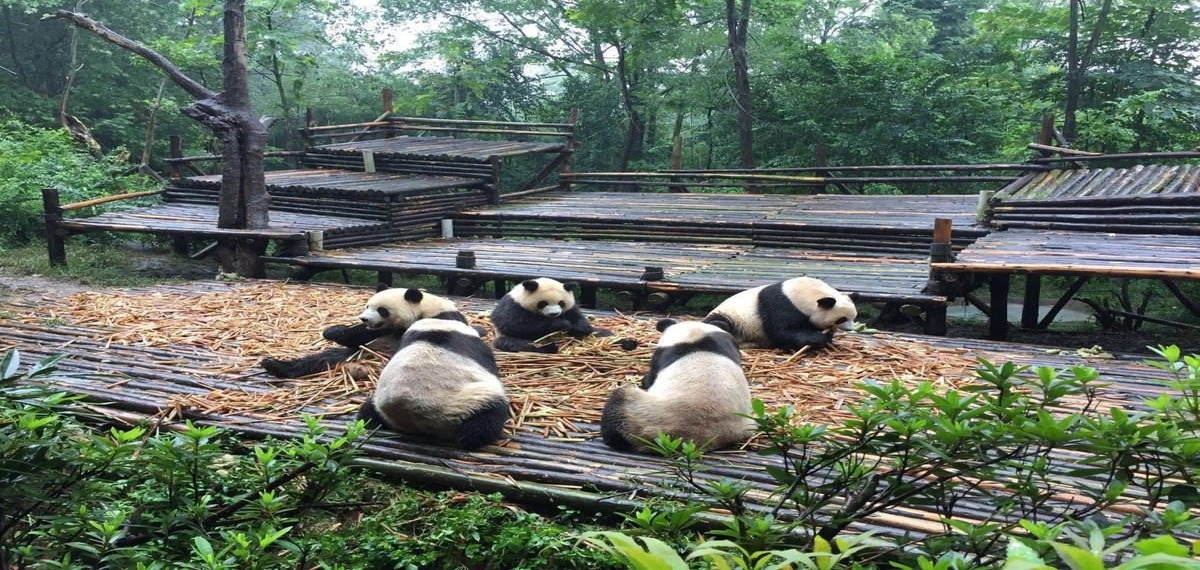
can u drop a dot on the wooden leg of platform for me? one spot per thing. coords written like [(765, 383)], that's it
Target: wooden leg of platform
[(587, 297), (1062, 302), (499, 288), (998, 321), (386, 279), (1032, 301), (935, 319), (56, 239), (179, 245), (1188, 303)]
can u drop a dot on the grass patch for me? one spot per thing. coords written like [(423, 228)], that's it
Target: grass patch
[(101, 264)]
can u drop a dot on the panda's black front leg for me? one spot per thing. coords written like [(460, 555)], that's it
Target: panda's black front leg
[(354, 336), (797, 339), (577, 324), (513, 344)]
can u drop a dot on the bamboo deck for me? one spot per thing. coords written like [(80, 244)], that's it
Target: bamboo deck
[(341, 183), (439, 148), (1156, 256), (200, 220), (706, 268), (130, 376), (890, 225)]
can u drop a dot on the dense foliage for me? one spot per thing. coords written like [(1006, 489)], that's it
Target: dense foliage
[(33, 158), (879, 81)]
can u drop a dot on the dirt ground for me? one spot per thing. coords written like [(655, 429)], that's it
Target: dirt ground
[(162, 265)]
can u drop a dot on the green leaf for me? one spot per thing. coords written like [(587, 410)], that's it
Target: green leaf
[(1164, 544), (8, 367), (1078, 558)]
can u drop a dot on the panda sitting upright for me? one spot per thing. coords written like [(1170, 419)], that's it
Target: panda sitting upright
[(536, 308), (788, 315), (442, 382), (695, 390), (387, 314)]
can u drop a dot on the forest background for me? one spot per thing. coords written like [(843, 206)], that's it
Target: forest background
[(741, 82)]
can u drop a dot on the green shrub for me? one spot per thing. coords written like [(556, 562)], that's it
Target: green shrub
[(33, 158)]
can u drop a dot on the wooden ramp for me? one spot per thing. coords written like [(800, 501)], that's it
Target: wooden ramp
[(131, 366)]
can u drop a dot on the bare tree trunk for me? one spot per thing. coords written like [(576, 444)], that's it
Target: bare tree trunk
[(243, 200), (737, 19), (1074, 76), (635, 135)]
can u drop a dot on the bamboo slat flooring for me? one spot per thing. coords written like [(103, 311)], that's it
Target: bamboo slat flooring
[(340, 182), (199, 220), (1147, 183), (707, 268), (472, 150), (1081, 253), (129, 381)]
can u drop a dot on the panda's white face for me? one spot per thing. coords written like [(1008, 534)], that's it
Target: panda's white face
[(400, 308), (544, 296), (826, 307)]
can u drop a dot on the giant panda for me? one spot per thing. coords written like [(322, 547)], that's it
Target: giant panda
[(695, 390), (788, 315), (442, 382), (387, 314), (536, 308)]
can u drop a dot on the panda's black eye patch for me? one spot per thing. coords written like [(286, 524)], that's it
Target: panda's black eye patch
[(842, 320), (562, 304), (383, 313), (542, 304)]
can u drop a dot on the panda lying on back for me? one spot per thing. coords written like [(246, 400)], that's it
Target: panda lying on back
[(388, 313), (696, 390), (443, 382), (536, 308), (788, 315)]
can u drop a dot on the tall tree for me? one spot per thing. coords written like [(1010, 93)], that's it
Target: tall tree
[(243, 199), (737, 21)]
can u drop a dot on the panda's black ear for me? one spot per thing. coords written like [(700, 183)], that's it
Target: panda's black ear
[(664, 324), (571, 286), (413, 296), (826, 302), (721, 324), (382, 287), (530, 285)]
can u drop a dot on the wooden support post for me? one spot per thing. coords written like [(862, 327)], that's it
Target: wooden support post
[(386, 279), (941, 250), (368, 158), (1187, 302), (998, 320), (569, 149), (494, 188), (310, 121), (935, 319), (52, 213), (821, 158), (587, 297), (179, 244), (175, 169), (499, 288), (1032, 301), (677, 164), (983, 210), (1062, 302), (1046, 134), (386, 95)]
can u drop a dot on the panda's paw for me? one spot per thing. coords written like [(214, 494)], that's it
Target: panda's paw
[(628, 344), (551, 348), (602, 333), (275, 367), (337, 333)]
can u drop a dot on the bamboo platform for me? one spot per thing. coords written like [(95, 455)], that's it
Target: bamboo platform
[(1155, 256), (690, 268), (201, 220), (439, 148), (895, 225), (132, 368), (1148, 199)]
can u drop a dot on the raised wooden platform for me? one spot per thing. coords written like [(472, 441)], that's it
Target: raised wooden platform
[(133, 369), (712, 268), (1080, 254), (889, 225), (201, 221), (440, 148)]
